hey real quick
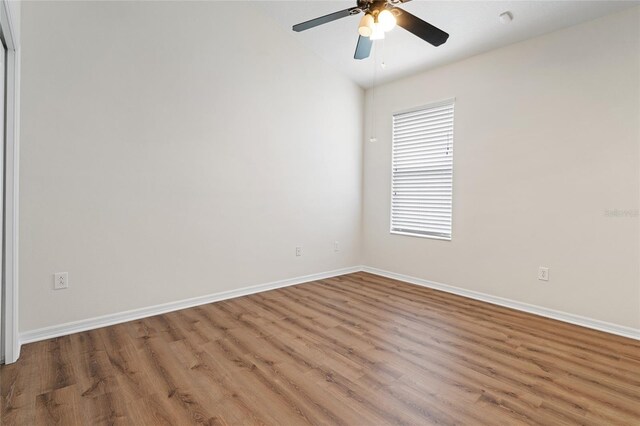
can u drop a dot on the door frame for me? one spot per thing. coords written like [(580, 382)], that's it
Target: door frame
[(9, 31)]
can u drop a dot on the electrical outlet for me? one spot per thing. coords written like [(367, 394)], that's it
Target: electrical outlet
[(543, 273), (298, 251), (60, 280), (336, 246)]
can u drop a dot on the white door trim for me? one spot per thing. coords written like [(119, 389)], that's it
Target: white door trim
[(10, 36)]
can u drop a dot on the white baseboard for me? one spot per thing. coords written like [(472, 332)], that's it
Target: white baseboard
[(607, 327), (135, 314), (111, 319)]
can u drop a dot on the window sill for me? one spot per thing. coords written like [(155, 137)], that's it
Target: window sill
[(431, 237)]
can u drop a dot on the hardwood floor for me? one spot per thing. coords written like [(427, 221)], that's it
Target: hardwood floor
[(356, 350)]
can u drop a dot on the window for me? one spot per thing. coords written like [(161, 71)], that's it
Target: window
[(422, 171)]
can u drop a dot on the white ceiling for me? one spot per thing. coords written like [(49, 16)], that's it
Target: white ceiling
[(474, 27)]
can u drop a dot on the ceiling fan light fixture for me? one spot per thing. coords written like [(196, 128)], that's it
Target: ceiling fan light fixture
[(377, 33), (379, 16), (386, 20), (365, 29)]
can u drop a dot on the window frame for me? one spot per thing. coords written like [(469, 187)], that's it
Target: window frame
[(429, 105)]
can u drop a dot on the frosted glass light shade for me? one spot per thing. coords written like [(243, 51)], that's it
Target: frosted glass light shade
[(386, 20), (377, 33), (366, 26)]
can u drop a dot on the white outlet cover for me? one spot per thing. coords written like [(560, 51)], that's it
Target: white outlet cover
[(543, 273), (60, 280)]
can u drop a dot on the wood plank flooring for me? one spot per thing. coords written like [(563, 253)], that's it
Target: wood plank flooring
[(352, 350)]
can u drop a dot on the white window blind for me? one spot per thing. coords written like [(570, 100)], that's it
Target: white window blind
[(422, 171)]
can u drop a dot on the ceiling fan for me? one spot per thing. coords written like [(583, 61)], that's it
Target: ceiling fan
[(379, 17)]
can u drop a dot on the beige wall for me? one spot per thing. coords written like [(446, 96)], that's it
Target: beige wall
[(546, 142), (159, 162), (169, 152)]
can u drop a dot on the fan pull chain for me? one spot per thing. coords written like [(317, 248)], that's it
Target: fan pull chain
[(373, 138)]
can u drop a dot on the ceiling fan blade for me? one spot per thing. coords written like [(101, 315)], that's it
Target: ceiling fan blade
[(326, 18), (422, 29), (363, 48)]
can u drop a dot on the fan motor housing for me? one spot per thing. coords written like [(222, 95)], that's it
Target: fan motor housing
[(372, 5)]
